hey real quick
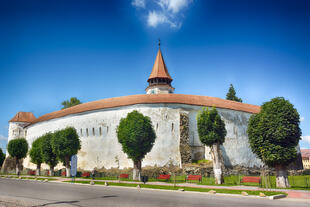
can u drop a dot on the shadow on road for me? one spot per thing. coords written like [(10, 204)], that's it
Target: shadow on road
[(74, 203)]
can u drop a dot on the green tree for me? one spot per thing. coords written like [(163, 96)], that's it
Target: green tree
[(274, 134), (69, 103), (35, 154), (231, 94), (137, 137), (49, 157), (66, 143), (18, 149), (212, 132), (2, 157)]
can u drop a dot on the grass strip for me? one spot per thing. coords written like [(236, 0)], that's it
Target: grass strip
[(165, 187)]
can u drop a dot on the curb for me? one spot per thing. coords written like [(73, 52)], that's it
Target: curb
[(277, 197)]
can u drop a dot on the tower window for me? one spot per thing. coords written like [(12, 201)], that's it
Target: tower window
[(81, 132), (87, 132), (100, 131), (107, 129), (93, 131), (157, 126), (172, 126)]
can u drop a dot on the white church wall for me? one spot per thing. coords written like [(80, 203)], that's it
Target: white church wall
[(103, 150), (236, 149)]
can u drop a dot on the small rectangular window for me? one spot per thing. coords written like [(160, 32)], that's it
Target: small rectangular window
[(100, 132), (87, 132), (93, 131)]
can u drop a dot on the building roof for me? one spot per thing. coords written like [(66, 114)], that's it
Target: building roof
[(159, 69), (305, 153), (151, 99), (23, 117)]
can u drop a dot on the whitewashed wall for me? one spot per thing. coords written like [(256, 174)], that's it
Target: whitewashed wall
[(236, 149), (101, 150)]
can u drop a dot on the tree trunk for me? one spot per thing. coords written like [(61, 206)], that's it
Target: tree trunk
[(281, 177), (17, 167), (51, 171), (217, 163), (67, 163), (136, 170), (38, 169)]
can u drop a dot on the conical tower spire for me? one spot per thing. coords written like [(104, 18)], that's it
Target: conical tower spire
[(160, 79)]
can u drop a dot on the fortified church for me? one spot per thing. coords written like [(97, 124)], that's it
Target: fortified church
[(173, 117)]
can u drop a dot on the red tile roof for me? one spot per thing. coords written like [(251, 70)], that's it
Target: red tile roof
[(23, 117), (305, 153), (151, 99), (159, 69)]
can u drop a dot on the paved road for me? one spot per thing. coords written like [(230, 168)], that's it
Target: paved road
[(34, 193)]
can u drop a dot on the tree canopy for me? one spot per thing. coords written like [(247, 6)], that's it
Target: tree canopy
[(66, 143), (35, 152), (49, 157), (69, 103), (18, 148), (2, 157), (231, 94), (211, 128), (274, 132), (136, 135)]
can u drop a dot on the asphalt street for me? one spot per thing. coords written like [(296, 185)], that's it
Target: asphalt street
[(35, 193)]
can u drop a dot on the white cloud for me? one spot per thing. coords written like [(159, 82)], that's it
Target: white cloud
[(138, 3), (163, 11), (3, 138), (155, 18), (306, 138), (302, 119), (173, 5)]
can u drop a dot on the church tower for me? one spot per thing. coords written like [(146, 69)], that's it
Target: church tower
[(159, 80)]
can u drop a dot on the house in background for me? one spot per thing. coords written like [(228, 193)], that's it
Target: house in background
[(305, 154)]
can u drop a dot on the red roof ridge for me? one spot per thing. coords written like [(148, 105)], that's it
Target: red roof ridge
[(151, 99)]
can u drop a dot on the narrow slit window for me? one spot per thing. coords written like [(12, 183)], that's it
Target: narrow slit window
[(93, 131), (87, 132), (81, 132), (100, 132), (157, 126), (172, 126), (107, 129)]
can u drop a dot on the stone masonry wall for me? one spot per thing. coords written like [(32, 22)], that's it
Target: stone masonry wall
[(185, 149)]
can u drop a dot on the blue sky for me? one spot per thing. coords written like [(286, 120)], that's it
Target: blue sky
[(52, 50)]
